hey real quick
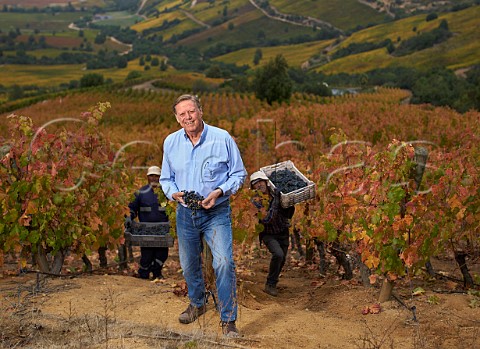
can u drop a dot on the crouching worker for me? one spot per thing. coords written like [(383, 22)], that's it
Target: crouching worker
[(147, 207), (276, 223)]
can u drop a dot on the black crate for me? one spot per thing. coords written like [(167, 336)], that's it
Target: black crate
[(148, 228), (165, 240), (146, 234)]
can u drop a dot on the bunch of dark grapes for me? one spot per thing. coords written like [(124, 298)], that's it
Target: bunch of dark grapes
[(192, 200), (286, 181)]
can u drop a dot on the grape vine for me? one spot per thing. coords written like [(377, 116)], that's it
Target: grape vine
[(356, 149)]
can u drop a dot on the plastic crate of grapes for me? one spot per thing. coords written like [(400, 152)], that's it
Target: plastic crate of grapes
[(295, 196), (146, 234)]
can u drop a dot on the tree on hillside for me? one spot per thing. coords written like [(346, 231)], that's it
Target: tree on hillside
[(258, 56), (214, 72), (272, 82), (440, 87), (473, 78), (100, 38), (163, 65), (122, 62), (90, 80)]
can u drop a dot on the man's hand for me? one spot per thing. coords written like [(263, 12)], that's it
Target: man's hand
[(178, 196), (210, 200), (276, 199), (128, 222)]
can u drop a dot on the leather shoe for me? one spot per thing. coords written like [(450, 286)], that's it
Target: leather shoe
[(271, 290), (191, 314)]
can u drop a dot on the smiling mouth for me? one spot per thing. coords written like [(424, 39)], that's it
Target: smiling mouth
[(189, 123)]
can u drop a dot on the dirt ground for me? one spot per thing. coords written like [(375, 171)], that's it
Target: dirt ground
[(110, 309)]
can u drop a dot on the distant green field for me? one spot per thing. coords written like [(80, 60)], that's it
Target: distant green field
[(183, 26), (247, 24), (120, 18), (46, 3), (48, 52), (48, 75), (295, 55), (210, 12), (158, 21), (40, 75), (358, 63), (401, 29), (39, 21), (168, 4), (460, 51), (246, 28), (69, 39), (343, 14)]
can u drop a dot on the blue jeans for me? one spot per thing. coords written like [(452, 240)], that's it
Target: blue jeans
[(215, 226)]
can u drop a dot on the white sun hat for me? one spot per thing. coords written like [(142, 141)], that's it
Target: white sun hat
[(154, 170), (256, 176)]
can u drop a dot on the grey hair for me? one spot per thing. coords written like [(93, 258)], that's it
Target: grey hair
[(187, 97)]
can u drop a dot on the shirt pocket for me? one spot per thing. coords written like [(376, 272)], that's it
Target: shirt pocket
[(212, 171)]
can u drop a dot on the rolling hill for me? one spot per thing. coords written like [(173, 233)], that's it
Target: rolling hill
[(36, 38)]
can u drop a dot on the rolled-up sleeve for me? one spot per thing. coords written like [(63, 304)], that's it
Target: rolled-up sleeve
[(236, 172)]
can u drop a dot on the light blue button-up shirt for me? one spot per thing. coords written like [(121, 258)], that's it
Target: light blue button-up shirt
[(214, 162)]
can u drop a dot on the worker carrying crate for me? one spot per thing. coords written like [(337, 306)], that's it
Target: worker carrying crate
[(151, 232)]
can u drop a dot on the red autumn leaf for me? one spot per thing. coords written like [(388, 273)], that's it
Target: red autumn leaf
[(375, 308), (365, 310)]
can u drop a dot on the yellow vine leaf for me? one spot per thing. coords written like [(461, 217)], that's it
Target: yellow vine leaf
[(350, 201), (23, 262), (408, 219), (372, 261), (31, 208), (460, 214), (454, 202)]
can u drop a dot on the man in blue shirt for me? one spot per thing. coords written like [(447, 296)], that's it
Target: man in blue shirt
[(206, 160)]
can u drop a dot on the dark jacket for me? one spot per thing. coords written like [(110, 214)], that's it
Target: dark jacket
[(277, 219), (146, 205)]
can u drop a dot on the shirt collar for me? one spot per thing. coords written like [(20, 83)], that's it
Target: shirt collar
[(202, 136)]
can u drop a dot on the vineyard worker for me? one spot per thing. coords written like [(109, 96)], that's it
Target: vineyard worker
[(275, 233), (147, 207), (204, 159)]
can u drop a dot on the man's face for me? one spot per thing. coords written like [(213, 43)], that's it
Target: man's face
[(261, 186), (189, 117), (153, 180)]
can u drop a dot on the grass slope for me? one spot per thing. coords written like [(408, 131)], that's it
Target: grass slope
[(247, 27), (343, 14), (50, 75), (295, 55), (120, 18), (462, 50), (210, 12), (244, 24), (39, 21)]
